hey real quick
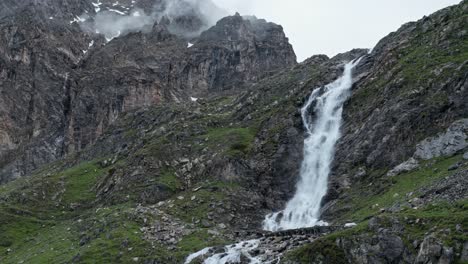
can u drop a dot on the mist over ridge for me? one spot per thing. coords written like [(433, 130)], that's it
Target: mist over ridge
[(185, 18)]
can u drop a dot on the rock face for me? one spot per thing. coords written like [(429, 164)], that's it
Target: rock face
[(59, 97), (406, 166), (445, 144), (433, 252), (35, 76)]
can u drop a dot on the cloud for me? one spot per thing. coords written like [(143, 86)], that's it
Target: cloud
[(112, 24), (188, 18)]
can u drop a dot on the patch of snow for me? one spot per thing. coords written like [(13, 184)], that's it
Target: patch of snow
[(116, 11), (97, 6), (89, 45), (193, 99), (350, 225), (51, 17), (189, 45), (136, 14), (112, 37), (77, 19)]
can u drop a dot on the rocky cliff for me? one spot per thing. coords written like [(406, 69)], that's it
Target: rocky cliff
[(158, 143), (64, 85)]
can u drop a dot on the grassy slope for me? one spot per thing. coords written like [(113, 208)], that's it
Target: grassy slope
[(52, 228)]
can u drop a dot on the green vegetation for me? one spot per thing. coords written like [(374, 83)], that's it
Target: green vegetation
[(196, 241), (430, 57), (79, 182), (234, 141), (395, 189), (49, 218), (170, 180), (101, 234), (420, 60), (155, 148), (108, 235), (198, 208), (442, 216), (321, 251), (441, 220)]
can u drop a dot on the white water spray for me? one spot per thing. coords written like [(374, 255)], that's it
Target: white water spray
[(232, 254), (303, 210)]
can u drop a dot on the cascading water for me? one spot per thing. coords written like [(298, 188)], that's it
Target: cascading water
[(303, 210), (232, 254)]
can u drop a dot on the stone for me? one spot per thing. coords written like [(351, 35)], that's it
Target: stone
[(205, 223), (213, 232), (432, 251), (392, 246), (464, 253), (444, 144), (454, 167), (406, 166), (361, 172), (465, 156)]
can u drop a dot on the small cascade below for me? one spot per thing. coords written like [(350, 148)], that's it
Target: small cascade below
[(322, 117), (233, 254), (323, 131)]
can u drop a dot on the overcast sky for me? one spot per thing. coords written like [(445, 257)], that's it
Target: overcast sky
[(334, 26)]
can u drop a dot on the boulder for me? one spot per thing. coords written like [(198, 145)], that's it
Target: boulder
[(432, 251), (444, 144), (406, 166)]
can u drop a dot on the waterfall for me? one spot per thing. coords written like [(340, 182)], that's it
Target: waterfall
[(232, 254), (303, 210), (323, 131)]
